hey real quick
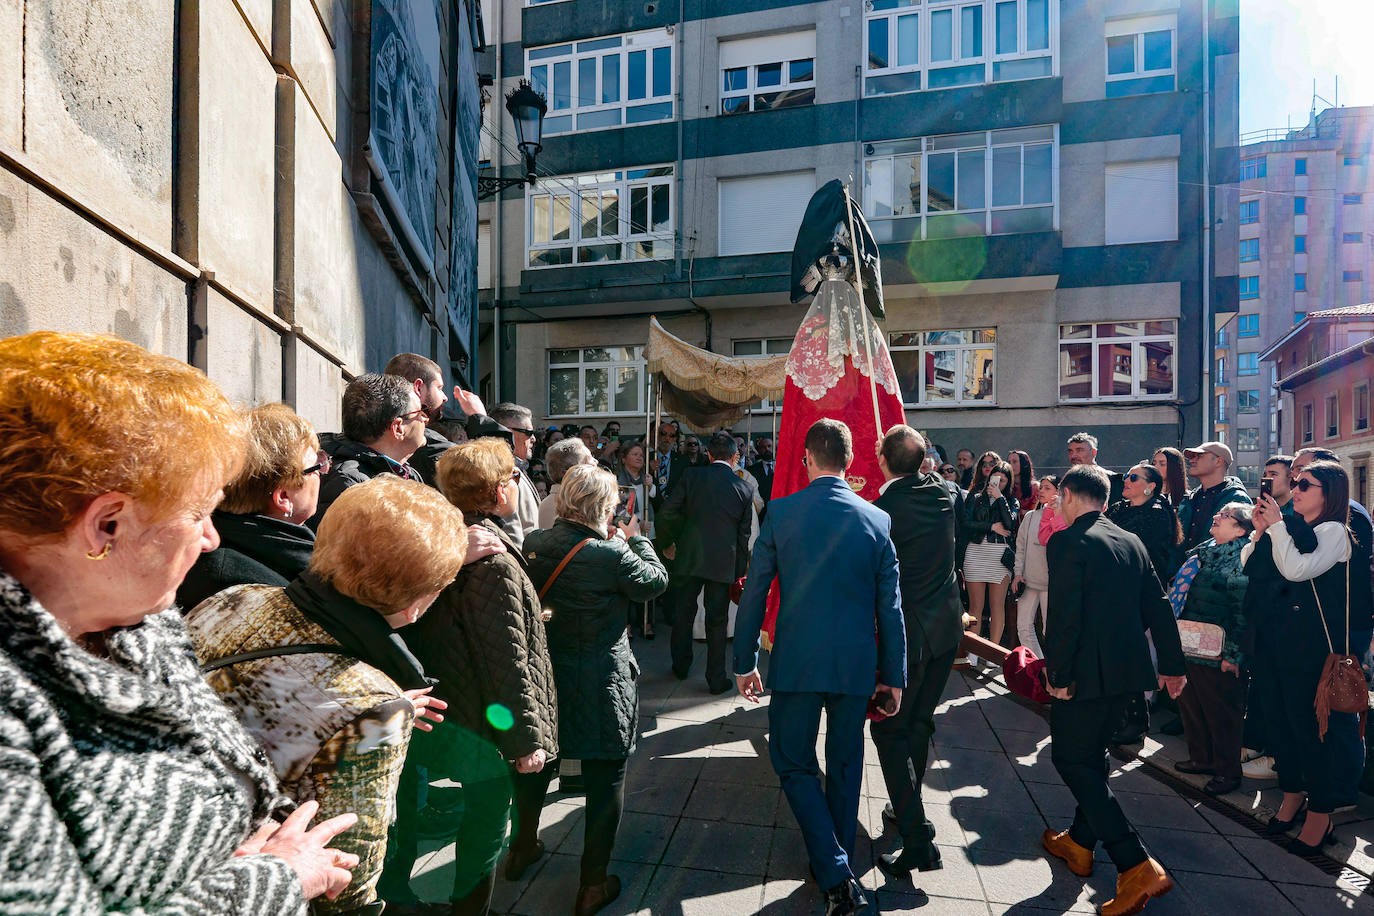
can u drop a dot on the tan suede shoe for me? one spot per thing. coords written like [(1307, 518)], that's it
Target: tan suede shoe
[(1079, 860), (1135, 887)]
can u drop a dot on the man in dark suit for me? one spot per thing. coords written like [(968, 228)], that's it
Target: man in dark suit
[(706, 520), (837, 573), (923, 521), (763, 469), (1104, 596)]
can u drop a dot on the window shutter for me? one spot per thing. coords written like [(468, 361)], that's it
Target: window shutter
[(761, 213), (484, 255), (743, 52), (1142, 201)]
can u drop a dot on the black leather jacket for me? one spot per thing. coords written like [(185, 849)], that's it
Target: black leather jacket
[(981, 513)]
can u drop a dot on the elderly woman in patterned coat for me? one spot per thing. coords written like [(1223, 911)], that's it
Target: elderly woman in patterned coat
[(125, 783), (317, 671), (598, 703)]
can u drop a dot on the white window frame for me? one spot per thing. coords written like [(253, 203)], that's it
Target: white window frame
[(569, 190), (765, 405), (959, 382), (594, 49), (583, 365), (925, 147), (752, 90), (1241, 398), (1138, 26), (1245, 246), (1243, 282), (1253, 430), (1138, 342), (1255, 165), (1241, 211), (1355, 424), (989, 57), (1240, 367)]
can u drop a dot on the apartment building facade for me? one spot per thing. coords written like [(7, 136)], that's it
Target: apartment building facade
[(1035, 172), (1305, 202), (1325, 366)]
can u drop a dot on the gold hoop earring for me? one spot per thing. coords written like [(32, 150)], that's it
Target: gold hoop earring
[(103, 554)]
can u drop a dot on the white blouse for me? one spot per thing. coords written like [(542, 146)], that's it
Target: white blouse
[(1333, 546)]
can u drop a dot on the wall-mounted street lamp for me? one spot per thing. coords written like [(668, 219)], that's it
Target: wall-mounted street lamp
[(527, 108)]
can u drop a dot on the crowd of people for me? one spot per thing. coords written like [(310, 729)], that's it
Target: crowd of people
[(241, 655)]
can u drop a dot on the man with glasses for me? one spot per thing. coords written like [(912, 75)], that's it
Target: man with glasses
[(520, 422), (383, 425), (1208, 463), (667, 463)]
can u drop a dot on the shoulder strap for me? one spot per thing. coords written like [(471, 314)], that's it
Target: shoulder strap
[(309, 648), (560, 567), (1313, 582)]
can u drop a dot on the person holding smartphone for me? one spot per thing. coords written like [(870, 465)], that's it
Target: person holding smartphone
[(1031, 581), (989, 519)]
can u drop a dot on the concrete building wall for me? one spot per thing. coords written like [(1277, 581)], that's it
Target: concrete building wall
[(191, 177)]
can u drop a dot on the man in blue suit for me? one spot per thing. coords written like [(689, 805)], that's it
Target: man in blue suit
[(837, 572)]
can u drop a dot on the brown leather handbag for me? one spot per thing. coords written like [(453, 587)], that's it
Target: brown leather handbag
[(1342, 686)]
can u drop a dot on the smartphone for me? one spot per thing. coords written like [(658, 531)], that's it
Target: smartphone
[(1020, 590), (1266, 486), (625, 510)]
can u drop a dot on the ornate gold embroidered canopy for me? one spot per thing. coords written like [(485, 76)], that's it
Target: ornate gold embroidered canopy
[(705, 390)]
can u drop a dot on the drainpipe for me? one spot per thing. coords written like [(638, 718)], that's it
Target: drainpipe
[(496, 241), (1207, 323)]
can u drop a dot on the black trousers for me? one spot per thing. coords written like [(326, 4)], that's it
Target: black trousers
[(528, 791), (605, 782), (1213, 710), (903, 742), (1325, 769), (717, 602), (1080, 731)]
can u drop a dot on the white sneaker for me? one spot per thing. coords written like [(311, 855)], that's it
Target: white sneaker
[(1259, 768), (975, 662)]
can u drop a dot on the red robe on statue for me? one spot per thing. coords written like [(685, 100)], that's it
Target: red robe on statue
[(828, 376)]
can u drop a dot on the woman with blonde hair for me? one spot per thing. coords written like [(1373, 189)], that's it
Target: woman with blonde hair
[(129, 785), (589, 574), (484, 640), (331, 636), (261, 521)]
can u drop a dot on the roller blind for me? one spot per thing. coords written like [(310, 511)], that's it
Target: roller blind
[(742, 52), (1142, 201), (761, 213)]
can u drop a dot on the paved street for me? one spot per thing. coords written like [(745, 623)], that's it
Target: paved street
[(707, 831)]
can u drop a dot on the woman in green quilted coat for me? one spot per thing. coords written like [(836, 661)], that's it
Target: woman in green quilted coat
[(1213, 704), (595, 671)]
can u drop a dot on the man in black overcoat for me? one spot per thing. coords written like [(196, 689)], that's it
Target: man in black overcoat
[(923, 524), (707, 519), (1103, 597)]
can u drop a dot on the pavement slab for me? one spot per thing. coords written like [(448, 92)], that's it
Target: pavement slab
[(706, 829)]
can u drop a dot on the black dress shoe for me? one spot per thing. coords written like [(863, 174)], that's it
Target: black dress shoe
[(1275, 827), (719, 687), (1221, 785), (679, 674), (1188, 766), (845, 899), (1299, 848), (918, 856)]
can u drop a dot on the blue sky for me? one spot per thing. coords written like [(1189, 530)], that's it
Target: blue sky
[(1284, 44)]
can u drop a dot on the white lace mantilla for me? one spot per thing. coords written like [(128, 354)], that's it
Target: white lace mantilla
[(832, 332)]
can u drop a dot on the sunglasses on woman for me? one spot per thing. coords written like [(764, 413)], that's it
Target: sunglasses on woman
[(1305, 484), (321, 468), (1133, 477)]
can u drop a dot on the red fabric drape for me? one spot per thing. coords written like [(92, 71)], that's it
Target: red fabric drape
[(850, 401)]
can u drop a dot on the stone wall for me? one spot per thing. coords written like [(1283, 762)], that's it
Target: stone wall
[(193, 176)]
